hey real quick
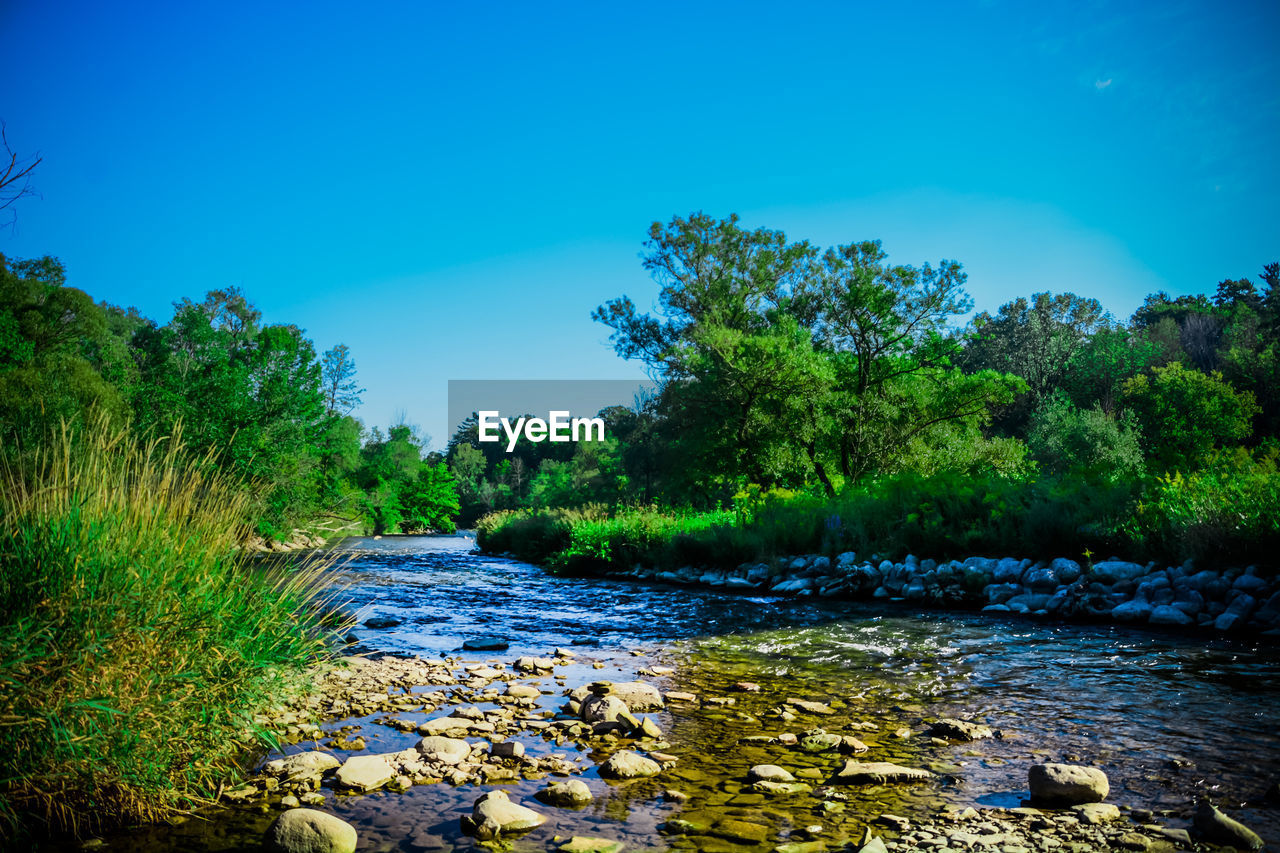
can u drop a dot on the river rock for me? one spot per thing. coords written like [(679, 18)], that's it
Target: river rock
[(781, 788), (1168, 614), (769, 773), (529, 663), (444, 726), (378, 622), (1113, 571), (878, 773), (629, 765), (310, 831), (1215, 826), (485, 644), (1135, 610), (523, 691), (810, 707), (951, 729), (366, 772), (605, 709), (494, 815), (507, 749), (1095, 813), (444, 750), (304, 766), (1067, 784), (638, 695), (586, 844), (1236, 614), (566, 794)]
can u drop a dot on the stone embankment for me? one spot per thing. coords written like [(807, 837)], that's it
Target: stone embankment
[(1230, 601)]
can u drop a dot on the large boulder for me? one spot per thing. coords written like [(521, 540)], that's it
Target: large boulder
[(629, 765), (637, 695), (1135, 610), (310, 831), (1067, 784), (494, 815)]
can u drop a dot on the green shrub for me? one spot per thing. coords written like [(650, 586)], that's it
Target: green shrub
[(136, 643), (1231, 507)]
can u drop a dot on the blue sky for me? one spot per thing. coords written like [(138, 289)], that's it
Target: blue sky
[(451, 188)]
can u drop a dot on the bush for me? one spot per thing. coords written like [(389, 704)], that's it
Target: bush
[(1230, 507), (136, 643), (1065, 439)]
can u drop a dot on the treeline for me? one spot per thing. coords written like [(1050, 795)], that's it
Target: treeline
[(276, 414), (789, 373)]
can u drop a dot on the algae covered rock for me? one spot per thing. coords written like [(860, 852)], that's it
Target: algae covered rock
[(629, 765), (310, 831), (495, 815), (878, 773)]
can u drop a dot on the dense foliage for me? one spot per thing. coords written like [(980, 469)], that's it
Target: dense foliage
[(850, 384), (276, 415)]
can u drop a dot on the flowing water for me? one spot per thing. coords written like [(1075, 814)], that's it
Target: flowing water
[(1168, 718)]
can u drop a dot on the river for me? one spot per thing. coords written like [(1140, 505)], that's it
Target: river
[(1167, 717)]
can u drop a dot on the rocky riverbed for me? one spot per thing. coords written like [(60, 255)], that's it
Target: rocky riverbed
[(654, 718)]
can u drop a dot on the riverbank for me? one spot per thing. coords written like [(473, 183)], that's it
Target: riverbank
[(1238, 601)]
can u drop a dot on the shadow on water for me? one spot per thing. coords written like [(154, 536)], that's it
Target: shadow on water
[(1166, 717)]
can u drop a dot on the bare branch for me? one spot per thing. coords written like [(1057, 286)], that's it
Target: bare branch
[(15, 180)]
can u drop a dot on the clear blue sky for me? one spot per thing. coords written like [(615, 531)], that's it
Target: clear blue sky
[(450, 188)]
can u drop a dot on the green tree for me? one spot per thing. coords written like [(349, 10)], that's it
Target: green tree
[(1186, 414), (1066, 439)]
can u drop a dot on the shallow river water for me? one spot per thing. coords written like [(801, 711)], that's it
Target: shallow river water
[(1167, 717)]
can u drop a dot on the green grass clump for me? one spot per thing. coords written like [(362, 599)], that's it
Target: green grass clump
[(136, 642)]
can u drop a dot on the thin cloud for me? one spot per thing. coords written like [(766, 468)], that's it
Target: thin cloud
[(1101, 84)]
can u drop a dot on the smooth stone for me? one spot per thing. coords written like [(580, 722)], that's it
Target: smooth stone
[(310, 831), (810, 707), (629, 765), (381, 622), (1067, 784), (507, 749), (494, 814), (444, 750), (585, 844), (781, 788), (365, 772), (523, 691), (1095, 813), (571, 792), (741, 831), (303, 765), (878, 773), (603, 709), (769, 773)]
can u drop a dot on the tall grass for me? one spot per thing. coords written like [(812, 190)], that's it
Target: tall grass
[(136, 642), (1225, 514)]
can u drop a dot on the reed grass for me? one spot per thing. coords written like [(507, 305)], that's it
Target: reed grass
[(136, 641)]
